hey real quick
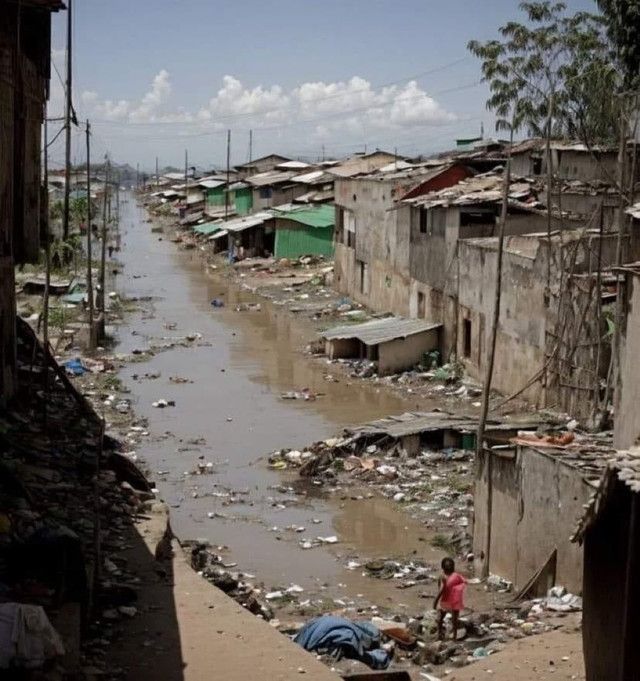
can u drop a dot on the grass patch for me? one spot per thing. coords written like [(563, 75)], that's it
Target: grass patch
[(442, 542)]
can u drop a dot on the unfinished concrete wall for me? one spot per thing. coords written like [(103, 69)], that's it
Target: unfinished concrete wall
[(403, 353), (627, 411), (374, 270), (520, 343), (536, 502), (586, 166)]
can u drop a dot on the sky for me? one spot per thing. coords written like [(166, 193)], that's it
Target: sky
[(308, 77)]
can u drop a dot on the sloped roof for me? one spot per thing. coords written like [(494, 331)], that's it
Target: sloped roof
[(270, 177), (380, 330), (623, 466), (322, 215)]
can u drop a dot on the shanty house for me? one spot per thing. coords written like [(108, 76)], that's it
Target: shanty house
[(241, 197), (570, 160), (372, 251), (301, 230), (274, 188), (25, 57), (529, 493), (393, 343), (609, 532), (260, 165)]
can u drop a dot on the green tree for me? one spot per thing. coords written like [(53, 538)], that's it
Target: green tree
[(550, 75), (622, 18)]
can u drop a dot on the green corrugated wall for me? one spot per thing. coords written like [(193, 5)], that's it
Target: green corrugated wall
[(215, 197), (302, 240), (243, 201)]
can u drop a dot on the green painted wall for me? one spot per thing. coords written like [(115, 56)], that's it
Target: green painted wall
[(243, 201), (303, 240), (215, 197)]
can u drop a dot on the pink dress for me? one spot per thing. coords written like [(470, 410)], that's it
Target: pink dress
[(452, 593)]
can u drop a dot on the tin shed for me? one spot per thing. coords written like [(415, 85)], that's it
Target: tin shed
[(305, 231)]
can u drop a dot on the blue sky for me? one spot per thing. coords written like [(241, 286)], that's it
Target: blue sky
[(156, 77)]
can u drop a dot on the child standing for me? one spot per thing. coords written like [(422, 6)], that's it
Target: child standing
[(450, 596)]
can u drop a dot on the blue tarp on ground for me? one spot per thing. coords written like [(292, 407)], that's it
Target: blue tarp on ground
[(342, 637), (74, 367)]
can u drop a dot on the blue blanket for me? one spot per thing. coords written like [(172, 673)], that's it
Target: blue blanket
[(342, 637)]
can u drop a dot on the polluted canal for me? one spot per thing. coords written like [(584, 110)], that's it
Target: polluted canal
[(228, 414)]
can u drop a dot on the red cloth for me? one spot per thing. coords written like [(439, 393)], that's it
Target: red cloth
[(452, 593)]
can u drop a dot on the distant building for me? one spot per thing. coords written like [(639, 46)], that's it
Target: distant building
[(260, 165)]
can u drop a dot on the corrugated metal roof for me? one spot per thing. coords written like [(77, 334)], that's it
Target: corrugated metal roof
[(293, 165), (240, 224), (211, 184), (313, 177), (219, 235), (380, 330), (207, 228), (412, 423), (270, 177), (322, 215)]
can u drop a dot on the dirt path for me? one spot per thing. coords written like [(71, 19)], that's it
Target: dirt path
[(552, 656), (187, 630)]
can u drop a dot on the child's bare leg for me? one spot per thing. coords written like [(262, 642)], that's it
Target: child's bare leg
[(440, 625), (454, 623)]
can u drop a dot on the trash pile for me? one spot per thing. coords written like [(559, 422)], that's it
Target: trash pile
[(61, 483), (433, 486)]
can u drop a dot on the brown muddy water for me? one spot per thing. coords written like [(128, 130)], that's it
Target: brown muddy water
[(242, 364)]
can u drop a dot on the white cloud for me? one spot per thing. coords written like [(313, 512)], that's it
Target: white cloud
[(350, 103), (340, 114)]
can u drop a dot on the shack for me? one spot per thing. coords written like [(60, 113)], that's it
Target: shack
[(610, 535), (415, 431), (528, 496), (304, 231), (393, 343)]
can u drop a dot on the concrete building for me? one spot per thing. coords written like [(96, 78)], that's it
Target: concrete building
[(25, 46), (372, 253), (394, 344), (608, 532), (529, 494), (260, 165), (535, 324)]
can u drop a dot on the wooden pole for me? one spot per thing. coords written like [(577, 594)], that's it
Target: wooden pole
[(491, 354), (250, 146), (103, 254), (89, 263), (186, 176), (67, 123), (226, 194), (157, 175), (47, 265)]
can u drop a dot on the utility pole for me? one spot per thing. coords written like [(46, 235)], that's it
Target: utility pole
[(323, 155), (485, 456), (157, 175), (250, 146), (137, 176), (89, 263), (226, 194), (103, 255), (67, 123), (186, 176), (47, 254)]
